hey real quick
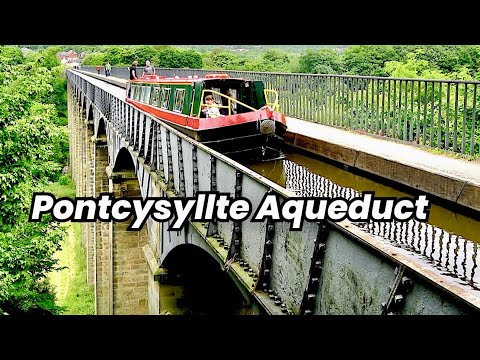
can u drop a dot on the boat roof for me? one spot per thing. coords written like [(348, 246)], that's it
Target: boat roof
[(182, 80)]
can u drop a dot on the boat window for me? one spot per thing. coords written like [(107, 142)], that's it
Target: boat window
[(135, 92), (165, 101), (218, 98), (146, 94), (179, 99), (233, 94), (155, 96)]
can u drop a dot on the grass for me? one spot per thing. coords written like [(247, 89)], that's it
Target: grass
[(70, 284)]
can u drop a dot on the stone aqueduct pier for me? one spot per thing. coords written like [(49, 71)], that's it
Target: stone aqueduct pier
[(326, 268)]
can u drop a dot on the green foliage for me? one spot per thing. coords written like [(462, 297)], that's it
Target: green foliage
[(275, 56), (368, 59), (25, 157), (428, 116), (26, 257), (251, 65), (59, 97), (224, 60), (270, 61), (141, 53), (10, 55), (33, 56), (96, 58), (276, 61), (191, 59), (412, 68), (49, 57), (73, 292), (117, 55), (444, 58), (29, 94), (323, 61), (64, 180), (171, 57)]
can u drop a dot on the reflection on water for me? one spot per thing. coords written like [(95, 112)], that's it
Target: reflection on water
[(449, 241)]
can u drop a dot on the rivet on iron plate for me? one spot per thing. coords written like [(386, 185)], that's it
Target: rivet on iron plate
[(399, 300)]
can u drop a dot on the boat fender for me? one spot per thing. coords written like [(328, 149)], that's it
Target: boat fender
[(267, 127)]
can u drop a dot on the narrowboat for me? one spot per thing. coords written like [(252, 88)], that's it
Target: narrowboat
[(246, 125)]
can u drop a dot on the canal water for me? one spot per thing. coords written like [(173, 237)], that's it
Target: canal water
[(449, 241)]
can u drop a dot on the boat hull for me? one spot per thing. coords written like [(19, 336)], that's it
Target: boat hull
[(244, 142), (251, 136)]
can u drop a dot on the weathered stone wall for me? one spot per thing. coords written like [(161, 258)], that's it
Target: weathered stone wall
[(102, 239), (130, 272)]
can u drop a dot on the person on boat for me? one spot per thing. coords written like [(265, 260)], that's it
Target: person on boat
[(211, 108), (148, 69), (133, 70)]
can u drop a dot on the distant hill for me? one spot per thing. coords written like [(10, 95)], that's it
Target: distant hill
[(246, 49), (261, 48)]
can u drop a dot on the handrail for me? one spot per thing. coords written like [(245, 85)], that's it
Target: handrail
[(229, 106), (275, 105)]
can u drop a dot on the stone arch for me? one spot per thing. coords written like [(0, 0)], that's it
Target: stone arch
[(89, 114), (123, 161), (84, 107), (193, 283), (101, 130)]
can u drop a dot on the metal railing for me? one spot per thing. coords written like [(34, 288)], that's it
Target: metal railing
[(441, 114)]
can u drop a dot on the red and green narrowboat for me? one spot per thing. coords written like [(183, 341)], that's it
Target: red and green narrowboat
[(249, 127)]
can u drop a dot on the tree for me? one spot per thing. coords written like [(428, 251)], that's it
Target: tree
[(96, 58), (172, 57), (116, 55), (445, 58), (26, 256), (323, 61), (411, 68), (167, 57), (49, 57), (368, 59), (253, 65), (224, 60), (27, 160), (140, 53), (275, 61), (11, 55), (190, 59)]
